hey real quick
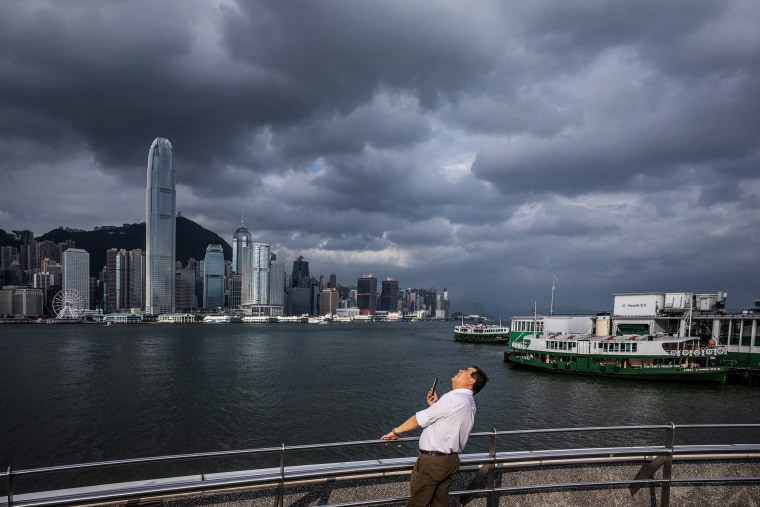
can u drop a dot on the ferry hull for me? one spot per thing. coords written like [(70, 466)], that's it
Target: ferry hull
[(487, 339), (709, 374)]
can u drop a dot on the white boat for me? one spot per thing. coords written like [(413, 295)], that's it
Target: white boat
[(482, 333)]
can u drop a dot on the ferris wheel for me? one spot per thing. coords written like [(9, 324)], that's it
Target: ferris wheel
[(68, 304)]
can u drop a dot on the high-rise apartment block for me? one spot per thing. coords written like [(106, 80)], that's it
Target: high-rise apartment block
[(76, 273), (160, 229)]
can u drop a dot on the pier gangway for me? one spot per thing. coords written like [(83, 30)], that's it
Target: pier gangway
[(659, 464)]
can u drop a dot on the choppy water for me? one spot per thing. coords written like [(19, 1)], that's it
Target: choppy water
[(82, 393)]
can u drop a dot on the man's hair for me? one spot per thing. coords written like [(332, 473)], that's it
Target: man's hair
[(480, 379)]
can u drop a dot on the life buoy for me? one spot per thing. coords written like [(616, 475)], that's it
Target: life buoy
[(602, 368), (554, 364)]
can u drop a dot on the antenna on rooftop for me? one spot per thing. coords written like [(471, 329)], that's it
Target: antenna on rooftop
[(554, 287)]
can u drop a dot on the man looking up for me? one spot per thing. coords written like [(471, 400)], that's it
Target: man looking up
[(447, 423)]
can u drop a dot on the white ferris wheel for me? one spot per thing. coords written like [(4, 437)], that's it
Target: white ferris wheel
[(68, 304)]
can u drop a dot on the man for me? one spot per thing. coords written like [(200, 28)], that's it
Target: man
[(447, 423)]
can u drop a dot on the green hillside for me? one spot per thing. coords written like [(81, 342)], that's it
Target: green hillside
[(192, 240)]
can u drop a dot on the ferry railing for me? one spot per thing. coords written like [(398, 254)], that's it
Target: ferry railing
[(657, 458)]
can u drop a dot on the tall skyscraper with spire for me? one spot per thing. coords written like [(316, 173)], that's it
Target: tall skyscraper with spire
[(240, 240), (160, 228)]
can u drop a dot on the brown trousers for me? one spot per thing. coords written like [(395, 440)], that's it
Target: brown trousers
[(431, 477)]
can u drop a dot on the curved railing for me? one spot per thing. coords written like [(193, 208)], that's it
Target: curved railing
[(651, 450)]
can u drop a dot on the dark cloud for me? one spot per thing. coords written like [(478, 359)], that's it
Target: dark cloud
[(485, 148)]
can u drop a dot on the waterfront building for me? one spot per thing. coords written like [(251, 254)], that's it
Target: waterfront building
[(76, 273), (28, 302), (234, 286), (328, 302), (160, 229), (389, 295), (366, 295), (116, 280), (185, 295), (442, 305), (213, 277), (300, 301), (431, 301), (49, 284), (136, 279), (276, 282), (240, 240), (257, 283)]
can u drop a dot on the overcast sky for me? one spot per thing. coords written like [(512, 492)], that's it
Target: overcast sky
[(482, 147)]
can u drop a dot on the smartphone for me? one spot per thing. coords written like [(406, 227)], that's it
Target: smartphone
[(435, 382)]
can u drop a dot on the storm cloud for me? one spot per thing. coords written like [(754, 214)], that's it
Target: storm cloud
[(483, 147)]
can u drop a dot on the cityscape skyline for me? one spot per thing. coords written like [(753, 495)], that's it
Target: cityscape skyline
[(31, 278), (494, 145)]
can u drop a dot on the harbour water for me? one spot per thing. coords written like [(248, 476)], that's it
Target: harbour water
[(83, 393)]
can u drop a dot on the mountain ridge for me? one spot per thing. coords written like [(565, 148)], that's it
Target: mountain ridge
[(192, 240)]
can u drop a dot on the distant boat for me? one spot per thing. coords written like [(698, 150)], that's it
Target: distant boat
[(482, 333)]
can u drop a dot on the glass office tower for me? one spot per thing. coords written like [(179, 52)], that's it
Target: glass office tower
[(240, 240), (255, 289), (160, 229), (213, 277)]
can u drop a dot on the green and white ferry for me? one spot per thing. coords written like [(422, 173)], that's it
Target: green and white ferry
[(482, 333), (667, 336)]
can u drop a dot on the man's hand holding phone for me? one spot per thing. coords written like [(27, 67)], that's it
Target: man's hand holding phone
[(432, 396)]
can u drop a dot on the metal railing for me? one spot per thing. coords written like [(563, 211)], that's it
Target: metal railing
[(652, 459)]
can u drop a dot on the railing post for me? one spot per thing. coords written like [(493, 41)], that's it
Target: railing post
[(667, 467), (281, 486), (10, 487), (492, 472)]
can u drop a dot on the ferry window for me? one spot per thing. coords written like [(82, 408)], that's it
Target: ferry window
[(734, 329), (635, 347), (746, 332)]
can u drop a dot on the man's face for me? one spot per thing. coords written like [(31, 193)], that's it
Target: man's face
[(463, 378)]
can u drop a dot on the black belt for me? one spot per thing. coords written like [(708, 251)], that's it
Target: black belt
[(438, 453)]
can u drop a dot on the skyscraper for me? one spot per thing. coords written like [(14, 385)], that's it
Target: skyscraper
[(241, 239), (366, 295), (213, 277), (76, 273), (116, 280), (255, 290), (389, 295), (160, 228)]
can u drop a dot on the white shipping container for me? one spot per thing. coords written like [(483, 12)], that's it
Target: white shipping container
[(574, 324), (677, 301), (638, 304), (707, 302)]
